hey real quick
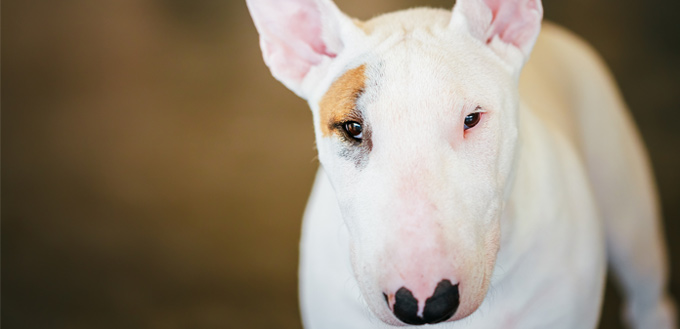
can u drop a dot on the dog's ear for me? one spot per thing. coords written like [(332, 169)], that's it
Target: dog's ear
[(509, 27), (299, 36)]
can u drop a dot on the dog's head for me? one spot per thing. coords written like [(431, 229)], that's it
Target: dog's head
[(415, 115)]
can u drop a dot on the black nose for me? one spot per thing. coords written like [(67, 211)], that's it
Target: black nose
[(440, 307)]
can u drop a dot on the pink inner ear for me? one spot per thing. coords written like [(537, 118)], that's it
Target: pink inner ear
[(514, 21), (295, 36), (306, 23)]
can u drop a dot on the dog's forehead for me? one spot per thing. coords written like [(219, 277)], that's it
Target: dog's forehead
[(424, 68), (419, 58), (418, 76)]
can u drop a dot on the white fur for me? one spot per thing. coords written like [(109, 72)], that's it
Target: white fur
[(522, 210)]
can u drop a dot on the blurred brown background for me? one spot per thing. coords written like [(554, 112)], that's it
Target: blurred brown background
[(154, 174)]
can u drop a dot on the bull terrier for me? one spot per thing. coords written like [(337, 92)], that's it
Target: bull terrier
[(455, 190)]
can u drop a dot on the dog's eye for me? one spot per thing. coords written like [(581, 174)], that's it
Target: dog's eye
[(472, 120), (354, 130)]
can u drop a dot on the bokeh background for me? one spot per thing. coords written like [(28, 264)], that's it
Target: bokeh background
[(154, 174)]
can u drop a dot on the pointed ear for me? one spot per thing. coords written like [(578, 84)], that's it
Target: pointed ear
[(509, 27), (297, 36)]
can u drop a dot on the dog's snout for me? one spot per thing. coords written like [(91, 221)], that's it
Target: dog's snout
[(438, 308)]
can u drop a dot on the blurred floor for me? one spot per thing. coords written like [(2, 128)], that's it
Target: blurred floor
[(154, 174)]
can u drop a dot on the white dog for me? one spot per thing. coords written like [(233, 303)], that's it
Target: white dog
[(455, 190)]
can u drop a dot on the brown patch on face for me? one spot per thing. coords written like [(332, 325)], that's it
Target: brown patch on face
[(339, 103)]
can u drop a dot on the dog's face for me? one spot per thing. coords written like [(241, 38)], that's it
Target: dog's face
[(418, 141), (415, 116)]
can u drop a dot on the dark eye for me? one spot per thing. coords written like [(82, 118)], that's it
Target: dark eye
[(472, 120), (354, 130)]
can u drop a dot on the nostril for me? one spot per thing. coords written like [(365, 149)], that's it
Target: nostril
[(406, 307), (440, 307), (443, 303)]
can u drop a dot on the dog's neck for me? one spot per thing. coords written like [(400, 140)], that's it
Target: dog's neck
[(521, 228)]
